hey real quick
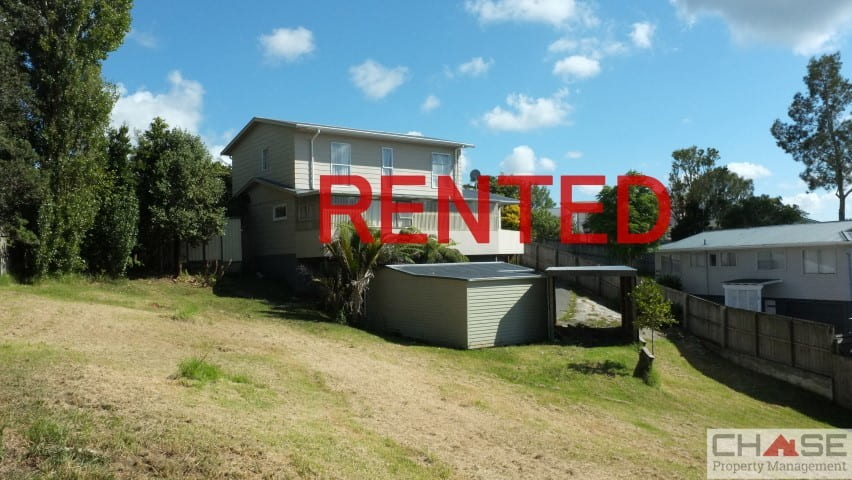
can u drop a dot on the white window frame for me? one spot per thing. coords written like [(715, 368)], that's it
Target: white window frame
[(348, 163), (822, 267), (403, 219), (387, 169), (264, 159), (275, 217), (777, 260), (713, 259), (698, 260), (727, 259), (449, 167)]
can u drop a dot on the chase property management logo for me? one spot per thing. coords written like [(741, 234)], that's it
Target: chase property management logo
[(779, 453)]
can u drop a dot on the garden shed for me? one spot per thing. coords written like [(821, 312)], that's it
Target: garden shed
[(460, 305)]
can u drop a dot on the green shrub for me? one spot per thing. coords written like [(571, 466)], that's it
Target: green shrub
[(200, 370)]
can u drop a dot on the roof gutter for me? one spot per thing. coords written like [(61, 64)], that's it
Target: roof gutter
[(311, 161)]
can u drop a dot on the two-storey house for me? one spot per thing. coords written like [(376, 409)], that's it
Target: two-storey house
[(803, 271), (276, 169)]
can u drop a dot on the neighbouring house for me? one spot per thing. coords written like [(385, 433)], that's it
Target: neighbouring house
[(802, 271), (276, 168), (460, 305)]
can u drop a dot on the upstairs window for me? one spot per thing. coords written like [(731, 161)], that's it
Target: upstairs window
[(264, 160), (440, 166), (387, 161), (713, 259), (279, 212), (729, 259), (819, 260), (341, 158), (670, 264), (770, 260), (697, 260)]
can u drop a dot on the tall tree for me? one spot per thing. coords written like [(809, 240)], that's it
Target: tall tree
[(643, 211), (60, 46), (820, 135), (180, 194), (21, 186), (761, 211), (688, 165), (701, 192), (111, 240)]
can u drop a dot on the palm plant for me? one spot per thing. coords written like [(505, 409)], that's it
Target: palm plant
[(346, 278)]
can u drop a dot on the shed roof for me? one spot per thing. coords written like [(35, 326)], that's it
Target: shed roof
[(825, 233), (352, 132), (469, 271)]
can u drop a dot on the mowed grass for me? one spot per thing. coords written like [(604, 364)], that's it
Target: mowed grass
[(112, 380)]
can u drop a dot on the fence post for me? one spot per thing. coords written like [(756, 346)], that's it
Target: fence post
[(792, 345), (757, 335), (685, 308), (724, 313)]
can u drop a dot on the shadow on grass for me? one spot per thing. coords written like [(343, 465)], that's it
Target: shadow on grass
[(281, 301), (609, 368), (758, 386)]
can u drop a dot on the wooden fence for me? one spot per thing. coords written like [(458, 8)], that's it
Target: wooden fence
[(790, 349), (800, 352)]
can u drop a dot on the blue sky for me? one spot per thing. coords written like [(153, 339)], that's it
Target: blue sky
[(553, 87)]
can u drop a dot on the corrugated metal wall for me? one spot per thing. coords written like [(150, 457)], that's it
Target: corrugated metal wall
[(423, 308), (506, 312)]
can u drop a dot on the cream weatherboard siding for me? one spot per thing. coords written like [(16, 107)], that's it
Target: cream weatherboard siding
[(428, 309), (245, 159), (366, 158), (506, 312), (458, 313)]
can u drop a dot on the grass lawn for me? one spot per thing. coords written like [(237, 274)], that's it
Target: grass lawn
[(157, 379)]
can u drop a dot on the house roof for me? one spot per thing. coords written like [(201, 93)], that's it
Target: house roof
[(351, 132), (468, 271), (805, 234)]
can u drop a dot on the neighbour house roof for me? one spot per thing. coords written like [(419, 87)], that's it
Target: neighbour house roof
[(805, 234), (466, 193), (469, 271), (352, 132)]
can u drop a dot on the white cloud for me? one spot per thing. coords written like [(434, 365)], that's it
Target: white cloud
[(806, 27), (431, 103), (464, 166), (819, 206), (414, 133), (287, 44), (523, 161), (476, 67), (180, 106), (577, 66), (591, 47), (573, 155), (528, 113), (215, 151), (376, 80), (749, 170), (554, 12), (642, 34), (144, 39)]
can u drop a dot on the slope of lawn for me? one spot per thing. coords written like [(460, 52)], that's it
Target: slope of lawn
[(160, 379)]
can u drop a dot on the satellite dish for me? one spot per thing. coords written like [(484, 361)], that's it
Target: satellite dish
[(474, 175)]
